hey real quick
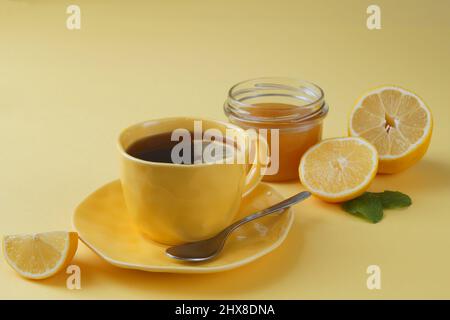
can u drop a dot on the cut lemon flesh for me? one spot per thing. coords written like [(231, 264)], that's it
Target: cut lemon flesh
[(397, 123), (339, 169), (40, 255)]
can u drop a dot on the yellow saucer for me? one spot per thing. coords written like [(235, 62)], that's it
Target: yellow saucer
[(103, 225)]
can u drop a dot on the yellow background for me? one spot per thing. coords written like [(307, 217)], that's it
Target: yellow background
[(65, 95)]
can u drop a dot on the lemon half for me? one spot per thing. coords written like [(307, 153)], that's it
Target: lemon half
[(339, 169), (397, 122)]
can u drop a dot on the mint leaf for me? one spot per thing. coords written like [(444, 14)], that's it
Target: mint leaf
[(368, 206), (393, 199)]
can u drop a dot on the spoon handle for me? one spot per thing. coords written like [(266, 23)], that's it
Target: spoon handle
[(275, 208)]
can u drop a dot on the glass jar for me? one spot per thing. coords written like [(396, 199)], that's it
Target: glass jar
[(295, 107)]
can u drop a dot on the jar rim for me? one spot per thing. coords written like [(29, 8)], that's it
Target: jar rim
[(307, 99)]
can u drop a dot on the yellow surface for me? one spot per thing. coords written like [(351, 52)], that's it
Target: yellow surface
[(104, 225), (65, 95)]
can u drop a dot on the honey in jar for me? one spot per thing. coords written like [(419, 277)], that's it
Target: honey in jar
[(294, 108)]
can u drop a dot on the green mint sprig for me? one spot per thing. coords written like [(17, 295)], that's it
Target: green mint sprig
[(370, 205)]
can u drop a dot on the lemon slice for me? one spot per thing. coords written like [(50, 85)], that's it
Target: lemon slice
[(40, 255), (397, 123), (339, 169)]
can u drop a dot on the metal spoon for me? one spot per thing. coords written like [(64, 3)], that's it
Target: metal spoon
[(207, 249)]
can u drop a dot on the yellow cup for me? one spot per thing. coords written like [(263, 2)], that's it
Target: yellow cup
[(177, 203)]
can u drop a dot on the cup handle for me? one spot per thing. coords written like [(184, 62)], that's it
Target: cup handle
[(256, 172)]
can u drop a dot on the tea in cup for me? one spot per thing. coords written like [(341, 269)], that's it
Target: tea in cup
[(176, 194)]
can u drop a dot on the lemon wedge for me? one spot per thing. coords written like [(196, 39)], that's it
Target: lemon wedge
[(40, 255)]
